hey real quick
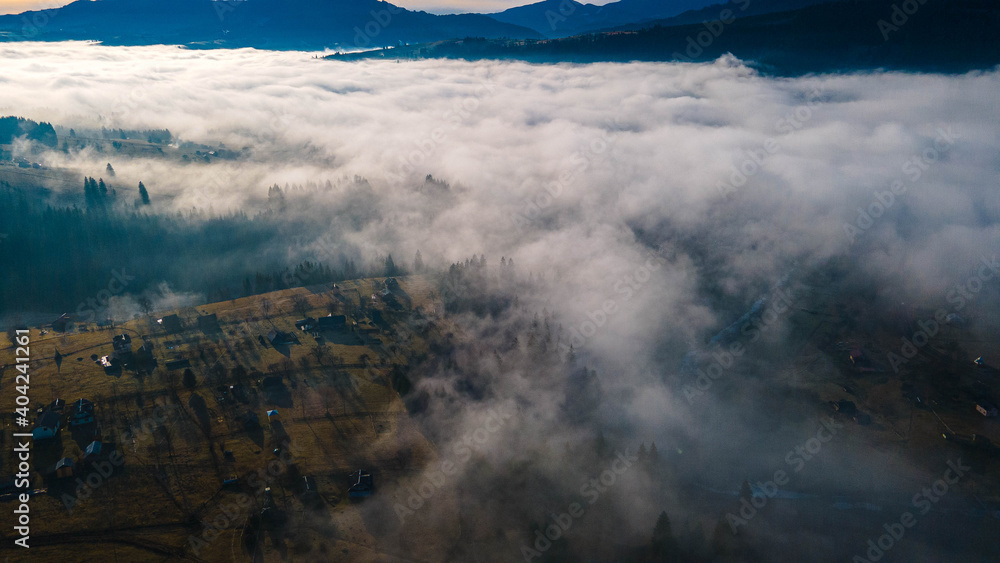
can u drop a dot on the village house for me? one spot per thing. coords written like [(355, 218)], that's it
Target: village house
[(331, 322), (986, 409), (392, 286), (110, 364), (62, 323), (171, 323), (95, 452), (63, 468), (122, 344), (81, 413), (47, 425), (364, 484), (278, 338)]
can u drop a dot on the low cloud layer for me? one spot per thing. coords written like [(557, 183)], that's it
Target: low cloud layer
[(678, 194), (640, 145)]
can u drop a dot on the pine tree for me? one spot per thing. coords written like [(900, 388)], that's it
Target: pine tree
[(418, 263), (111, 170), (88, 195), (663, 546), (143, 194)]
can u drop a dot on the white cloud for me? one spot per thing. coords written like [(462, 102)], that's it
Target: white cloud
[(561, 166)]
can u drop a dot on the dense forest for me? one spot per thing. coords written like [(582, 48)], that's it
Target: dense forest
[(72, 259), (16, 127), (155, 136)]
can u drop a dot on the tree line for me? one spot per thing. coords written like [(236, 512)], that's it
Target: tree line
[(16, 127), (59, 258)]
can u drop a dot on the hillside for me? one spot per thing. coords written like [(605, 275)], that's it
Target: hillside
[(264, 24), (183, 438), (563, 18), (837, 36)]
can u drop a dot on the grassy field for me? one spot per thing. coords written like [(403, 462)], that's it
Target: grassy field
[(337, 408), (339, 411)]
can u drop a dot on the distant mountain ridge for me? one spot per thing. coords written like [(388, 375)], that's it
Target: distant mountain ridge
[(267, 24), (565, 18), (836, 36)]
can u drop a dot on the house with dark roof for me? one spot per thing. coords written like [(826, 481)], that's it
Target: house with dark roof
[(122, 344), (392, 286), (143, 357), (82, 412), (63, 468), (309, 491), (171, 323), (364, 484), (95, 451), (390, 299), (47, 425), (277, 338), (62, 323), (332, 322)]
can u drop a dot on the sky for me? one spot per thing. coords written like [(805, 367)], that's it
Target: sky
[(640, 193), (435, 6), (18, 6)]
